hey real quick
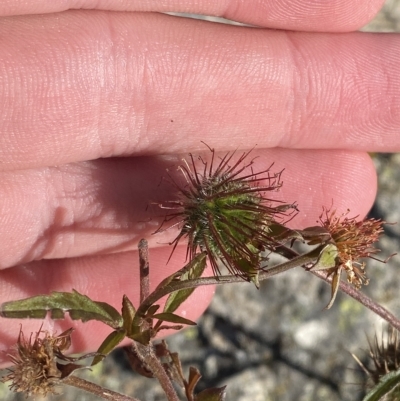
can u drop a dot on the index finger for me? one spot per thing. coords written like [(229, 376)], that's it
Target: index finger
[(90, 85), (308, 15)]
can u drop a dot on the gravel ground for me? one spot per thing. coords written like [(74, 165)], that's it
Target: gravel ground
[(276, 343)]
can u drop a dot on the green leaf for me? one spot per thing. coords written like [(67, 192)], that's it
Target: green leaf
[(111, 341), (327, 258), (143, 337), (177, 275), (172, 318), (386, 384), (282, 233), (58, 303), (315, 235), (152, 310), (194, 269), (211, 394), (312, 235), (335, 286), (194, 377), (68, 368), (128, 313), (250, 272)]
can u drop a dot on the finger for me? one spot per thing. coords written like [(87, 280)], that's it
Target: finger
[(97, 85), (334, 15), (108, 205), (104, 279)]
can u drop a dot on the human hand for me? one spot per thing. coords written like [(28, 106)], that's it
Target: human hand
[(91, 99)]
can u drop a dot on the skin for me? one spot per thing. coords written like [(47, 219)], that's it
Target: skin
[(96, 104)]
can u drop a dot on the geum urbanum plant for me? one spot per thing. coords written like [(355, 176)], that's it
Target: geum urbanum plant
[(228, 216)]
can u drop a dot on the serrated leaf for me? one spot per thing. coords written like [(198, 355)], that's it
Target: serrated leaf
[(211, 394), (128, 313), (386, 384), (79, 307), (327, 258), (111, 341), (172, 318), (194, 269)]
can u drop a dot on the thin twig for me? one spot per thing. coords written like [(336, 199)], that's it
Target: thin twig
[(96, 389), (351, 291), (144, 270), (296, 260), (173, 286), (363, 299), (145, 353)]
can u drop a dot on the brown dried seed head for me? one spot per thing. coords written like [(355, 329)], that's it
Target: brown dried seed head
[(354, 240), (35, 369)]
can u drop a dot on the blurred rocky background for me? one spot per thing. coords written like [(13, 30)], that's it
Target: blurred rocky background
[(276, 344)]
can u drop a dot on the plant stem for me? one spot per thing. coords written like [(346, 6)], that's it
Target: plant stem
[(144, 269), (173, 286), (149, 359), (363, 299), (352, 292), (295, 260), (96, 389)]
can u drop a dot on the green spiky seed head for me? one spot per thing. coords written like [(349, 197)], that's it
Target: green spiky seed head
[(223, 211)]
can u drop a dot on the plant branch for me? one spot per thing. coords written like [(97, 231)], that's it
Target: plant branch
[(96, 389), (144, 270), (352, 292), (173, 286), (296, 260), (363, 299), (146, 355)]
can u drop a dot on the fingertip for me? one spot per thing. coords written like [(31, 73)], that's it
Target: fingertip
[(317, 179)]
